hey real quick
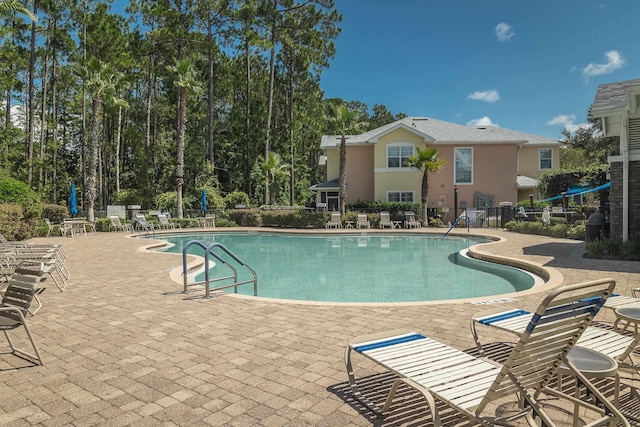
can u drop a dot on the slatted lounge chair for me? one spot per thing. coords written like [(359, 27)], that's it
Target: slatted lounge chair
[(617, 346), (335, 221), (53, 265), (362, 221), (469, 384), (475, 217), (164, 221), (385, 220), (143, 224), (410, 220), (116, 224), (13, 310)]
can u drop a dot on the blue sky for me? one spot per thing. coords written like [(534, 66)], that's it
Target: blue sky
[(532, 66)]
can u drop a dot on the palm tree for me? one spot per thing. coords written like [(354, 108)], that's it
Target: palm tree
[(186, 79), (426, 160), (273, 171), (8, 6), (343, 122), (100, 82)]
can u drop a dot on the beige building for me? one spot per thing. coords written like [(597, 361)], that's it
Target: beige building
[(486, 165)]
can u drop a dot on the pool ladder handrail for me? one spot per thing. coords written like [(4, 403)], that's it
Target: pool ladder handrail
[(456, 223), (207, 280)]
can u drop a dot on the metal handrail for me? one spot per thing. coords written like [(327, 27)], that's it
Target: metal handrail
[(209, 251), (456, 223)]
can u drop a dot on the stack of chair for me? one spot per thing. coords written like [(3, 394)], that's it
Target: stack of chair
[(52, 258)]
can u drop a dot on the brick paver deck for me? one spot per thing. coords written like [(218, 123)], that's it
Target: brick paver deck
[(123, 346)]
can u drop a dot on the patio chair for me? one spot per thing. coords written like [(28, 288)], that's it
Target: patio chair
[(363, 222), (335, 221), (385, 220), (50, 226), (618, 346), (13, 310), (469, 384), (410, 220), (143, 224), (52, 263), (116, 224), (164, 221)]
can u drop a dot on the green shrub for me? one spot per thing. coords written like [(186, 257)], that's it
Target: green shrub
[(435, 222), (236, 198), (54, 213), (294, 219), (18, 192), (577, 231), (614, 249), (13, 225), (127, 197), (244, 217), (223, 222)]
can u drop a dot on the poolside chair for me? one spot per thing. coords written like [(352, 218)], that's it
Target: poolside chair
[(13, 310), (469, 384), (52, 263), (335, 221), (116, 224), (363, 222), (611, 343), (385, 220), (143, 224), (410, 220), (164, 221)]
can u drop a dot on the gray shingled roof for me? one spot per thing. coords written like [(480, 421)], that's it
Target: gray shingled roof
[(612, 95), (441, 132)]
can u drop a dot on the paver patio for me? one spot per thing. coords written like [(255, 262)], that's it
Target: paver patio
[(123, 346)]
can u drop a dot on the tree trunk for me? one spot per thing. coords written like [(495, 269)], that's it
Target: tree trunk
[(94, 141), (272, 71), (182, 114), (247, 121), (424, 198), (210, 100), (30, 95), (343, 170), (117, 153)]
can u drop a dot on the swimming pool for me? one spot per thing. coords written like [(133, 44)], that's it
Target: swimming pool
[(360, 267)]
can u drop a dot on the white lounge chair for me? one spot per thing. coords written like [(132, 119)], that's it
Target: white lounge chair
[(469, 384), (143, 224), (164, 221), (385, 220), (362, 221), (410, 220), (335, 221), (116, 224), (619, 347)]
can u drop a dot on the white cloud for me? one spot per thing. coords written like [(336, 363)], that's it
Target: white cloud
[(483, 121), (567, 121), (615, 61), (486, 96), (504, 32)]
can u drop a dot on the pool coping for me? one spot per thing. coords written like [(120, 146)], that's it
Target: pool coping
[(551, 277)]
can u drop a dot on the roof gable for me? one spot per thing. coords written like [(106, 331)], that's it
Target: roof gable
[(614, 96), (441, 132)]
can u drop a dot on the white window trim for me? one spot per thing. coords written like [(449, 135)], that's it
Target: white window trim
[(540, 159), (455, 161), (401, 167), (413, 195)]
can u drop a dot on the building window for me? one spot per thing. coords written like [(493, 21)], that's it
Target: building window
[(546, 158), (398, 155), (400, 196), (464, 165)]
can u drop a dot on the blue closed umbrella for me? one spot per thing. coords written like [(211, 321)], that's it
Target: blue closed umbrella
[(72, 200), (204, 200)]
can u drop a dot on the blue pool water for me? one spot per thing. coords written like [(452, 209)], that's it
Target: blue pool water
[(359, 267)]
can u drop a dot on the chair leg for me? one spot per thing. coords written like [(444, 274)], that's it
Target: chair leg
[(16, 350)]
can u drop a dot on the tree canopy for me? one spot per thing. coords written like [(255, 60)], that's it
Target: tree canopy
[(95, 96)]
